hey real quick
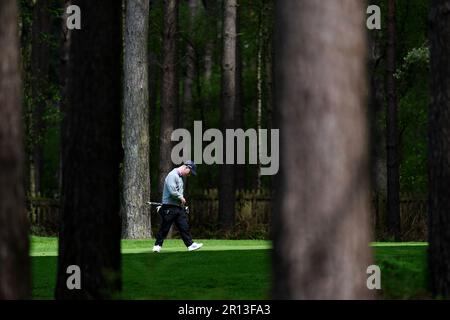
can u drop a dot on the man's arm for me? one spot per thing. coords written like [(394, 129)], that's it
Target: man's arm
[(172, 186)]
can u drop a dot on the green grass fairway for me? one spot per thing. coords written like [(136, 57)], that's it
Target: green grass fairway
[(223, 269), (403, 270)]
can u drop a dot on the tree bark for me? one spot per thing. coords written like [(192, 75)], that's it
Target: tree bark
[(392, 145), (227, 184), (39, 82), (154, 76), (170, 88), (269, 75), (439, 150), (212, 16), (186, 114), (269, 82), (321, 216), (63, 71), (239, 169), (259, 98), (26, 34), (136, 175), (14, 246), (378, 165), (208, 60), (90, 226)]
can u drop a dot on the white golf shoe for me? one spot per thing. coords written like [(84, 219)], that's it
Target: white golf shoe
[(195, 246), (156, 248)]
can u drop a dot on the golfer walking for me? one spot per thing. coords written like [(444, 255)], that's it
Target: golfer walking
[(172, 209)]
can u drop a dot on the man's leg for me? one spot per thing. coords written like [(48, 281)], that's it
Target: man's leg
[(167, 218), (183, 227)]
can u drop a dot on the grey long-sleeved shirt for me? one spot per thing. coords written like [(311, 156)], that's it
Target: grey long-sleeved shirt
[(173, 188)]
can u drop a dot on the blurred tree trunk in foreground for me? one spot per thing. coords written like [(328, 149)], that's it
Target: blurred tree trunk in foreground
[(321, 218), (14, 247), (64, 56), (439, 150), (90, 223)]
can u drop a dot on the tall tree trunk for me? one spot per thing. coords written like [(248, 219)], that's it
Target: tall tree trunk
[(169, 98), (269, 74), (186, 115), (200, 95), (208, 63), (208, 60), (439, 150), (378, 165), (152, 84), (269, 81), (39, 82), (154, 76), (320, 221), (169, 95), (136, 175), (26, 33), (239, 169), (211, 9), (393, 184), (259, 98), (14, 247), (268, 61), (153, 94), (90, 226), (63, 71), (227, 186)]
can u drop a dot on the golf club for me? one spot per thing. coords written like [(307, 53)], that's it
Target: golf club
[(158, 206)]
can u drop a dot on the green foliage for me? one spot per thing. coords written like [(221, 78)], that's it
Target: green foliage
[(415, 58), (204, 29), (413, 114), (47, 93), (51, 161), (412, 77), (412, 81)]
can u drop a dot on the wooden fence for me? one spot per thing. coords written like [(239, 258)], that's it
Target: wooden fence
[(413, 217), (252, 215), (43, 214)]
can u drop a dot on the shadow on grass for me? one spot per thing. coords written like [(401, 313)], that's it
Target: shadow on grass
[(404, 271), (233, 274), (206, 275)]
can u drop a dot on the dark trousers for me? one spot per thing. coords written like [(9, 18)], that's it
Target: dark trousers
[(170, 215)]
